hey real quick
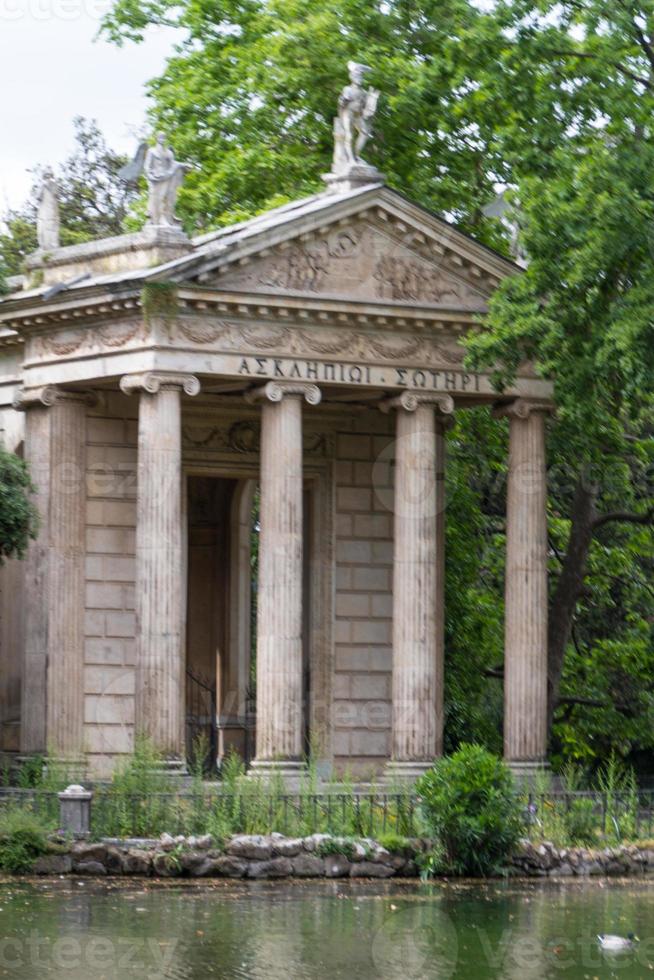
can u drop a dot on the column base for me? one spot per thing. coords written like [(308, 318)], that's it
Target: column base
[(405, 771), (527, 770), (290, 771)]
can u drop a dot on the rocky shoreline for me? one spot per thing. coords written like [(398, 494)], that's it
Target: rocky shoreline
[(316, 856)]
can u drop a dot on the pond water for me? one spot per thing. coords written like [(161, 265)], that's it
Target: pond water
[(106, 930)]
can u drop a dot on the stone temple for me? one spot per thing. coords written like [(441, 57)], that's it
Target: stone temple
[(277, 389)]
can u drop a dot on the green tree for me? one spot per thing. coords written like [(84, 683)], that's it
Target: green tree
[(95, 203), (18, 516)]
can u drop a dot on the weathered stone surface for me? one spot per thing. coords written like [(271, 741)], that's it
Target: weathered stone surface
[(53, 864), (165, 866), (337, 866), (191, 860), (136, 862), (286, 846), (208, 868), (253, 847), (113, 861), (229, 866), (89, 868), (370, 869), (89, 852), (313, 842), (308, 866), (279, 867)]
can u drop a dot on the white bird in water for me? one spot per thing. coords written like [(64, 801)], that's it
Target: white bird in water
[(617, 944)]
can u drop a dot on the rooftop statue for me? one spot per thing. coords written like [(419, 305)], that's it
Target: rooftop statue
[(356, 108), (47, 216), (164, 175)]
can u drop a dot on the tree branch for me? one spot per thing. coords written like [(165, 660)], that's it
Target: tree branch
[(616, 64), (624, 517)]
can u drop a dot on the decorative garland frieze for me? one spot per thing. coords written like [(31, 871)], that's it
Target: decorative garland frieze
[(243, 437)]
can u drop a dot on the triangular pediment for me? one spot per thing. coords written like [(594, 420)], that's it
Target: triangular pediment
[(372, 247), (357, 261)]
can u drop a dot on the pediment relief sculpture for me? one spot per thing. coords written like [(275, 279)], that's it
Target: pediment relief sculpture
[(357, 262)]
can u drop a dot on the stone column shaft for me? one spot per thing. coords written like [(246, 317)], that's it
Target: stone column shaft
[(418, 583), (279, 614), (525, 653), (160, 688), (52, 690)]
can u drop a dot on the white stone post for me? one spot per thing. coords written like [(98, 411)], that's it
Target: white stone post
[(279, 611), (525, 604), (418, 581), (53, 664), (159, 561)]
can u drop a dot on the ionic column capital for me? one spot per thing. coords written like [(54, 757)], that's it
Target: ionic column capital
[(48, 395), (152, 382), (522, 408), (275, 391), (410, 401)]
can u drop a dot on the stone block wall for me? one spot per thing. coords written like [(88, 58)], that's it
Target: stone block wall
[(363, 601), (110, 575)]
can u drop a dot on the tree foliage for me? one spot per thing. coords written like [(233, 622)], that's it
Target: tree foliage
[(18, 515), (94, 202)]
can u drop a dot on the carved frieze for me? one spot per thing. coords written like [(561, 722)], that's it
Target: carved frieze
[(67, 341), (243, 437), (359, 261), (322, 342)]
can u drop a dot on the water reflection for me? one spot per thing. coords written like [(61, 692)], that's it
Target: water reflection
[(315, 930)]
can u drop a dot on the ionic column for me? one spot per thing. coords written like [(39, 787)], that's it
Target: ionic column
[(525, 603), (418, 581), (279, 615), (159, 561), (52, 696)]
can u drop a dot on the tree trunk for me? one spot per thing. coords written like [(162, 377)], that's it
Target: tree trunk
[(569, 586)]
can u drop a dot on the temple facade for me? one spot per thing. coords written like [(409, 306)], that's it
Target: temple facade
[(239, 449)]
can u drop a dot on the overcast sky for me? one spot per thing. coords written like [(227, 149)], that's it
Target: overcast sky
[(52, 70)]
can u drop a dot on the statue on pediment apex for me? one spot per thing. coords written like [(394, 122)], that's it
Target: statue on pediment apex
[(357, 106), (356, 109)]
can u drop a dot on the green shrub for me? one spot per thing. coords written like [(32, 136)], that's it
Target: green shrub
[(470, 805), (23, 837), (581, 822)]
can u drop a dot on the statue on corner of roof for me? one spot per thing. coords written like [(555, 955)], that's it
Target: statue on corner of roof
[(357, 106), (47, 215), (164, 175)]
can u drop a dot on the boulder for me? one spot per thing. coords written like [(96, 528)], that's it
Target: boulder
[(135, 861), (308, 866), (313, 842), (371, 869), (164, 866), (286, 846), (279, 867), (53, 864), (89, 852), (190, 860), (337, 866), (253, 847), (207, 868), (89, 868), (229, 866)]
